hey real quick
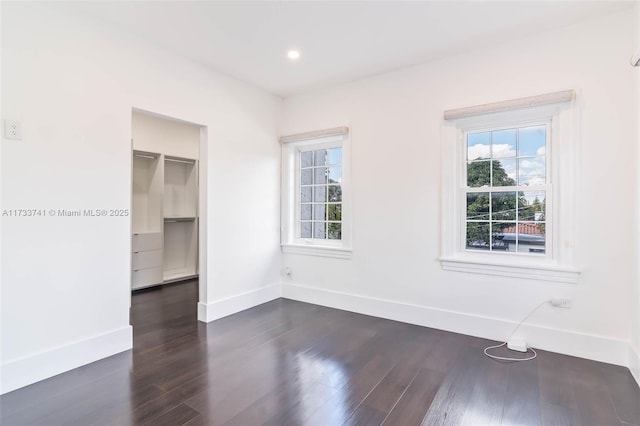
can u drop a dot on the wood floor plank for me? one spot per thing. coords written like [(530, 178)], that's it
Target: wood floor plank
[(522, 400), (623, 391), (347, 398), (486, 400), (451, 402), (593, 399), (388, 391), (366, 416), (557, 398), (414, 403), (176, 416)]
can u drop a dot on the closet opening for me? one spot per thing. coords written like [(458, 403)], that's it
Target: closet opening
[(168, 219)]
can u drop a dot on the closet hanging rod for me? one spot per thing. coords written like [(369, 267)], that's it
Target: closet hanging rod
[(185, 219), (151, 157), (175, 160)]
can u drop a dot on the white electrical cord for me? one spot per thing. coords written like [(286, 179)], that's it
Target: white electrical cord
[(500, 358)]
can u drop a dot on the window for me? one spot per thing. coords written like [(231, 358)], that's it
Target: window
[(507, 186), (315, 182), (508, 193)]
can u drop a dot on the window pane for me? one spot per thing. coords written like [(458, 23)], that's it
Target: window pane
[(319, 211), (532, 141), (503, 143), (319, 229), (478, 206), (334, 212), (504, 172), (478, 174), (335, 193), (531, 171), (334, 231), (478, 146), (503, 237), (319, 193), (320, 157), (503, 205), (532, 205), (335, 174), (334, 156), (305, 229), (306, 176), (478, 235), (305, 212), (531, 238), (306, 159), (320, 175), (305, 194)]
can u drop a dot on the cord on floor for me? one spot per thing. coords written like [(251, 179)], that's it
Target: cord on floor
[(500, 358)]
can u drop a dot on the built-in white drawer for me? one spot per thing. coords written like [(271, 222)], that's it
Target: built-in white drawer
[(146, 277), (147, 241), (146, 259)]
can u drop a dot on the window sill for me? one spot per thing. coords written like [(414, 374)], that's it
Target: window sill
[(311, 250), (542, 272)]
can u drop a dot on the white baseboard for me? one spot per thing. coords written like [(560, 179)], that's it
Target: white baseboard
[(30, 369), (208, 312), (25, 371), (634, 363), (598, 348)]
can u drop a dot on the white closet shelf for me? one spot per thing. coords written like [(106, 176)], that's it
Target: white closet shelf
[(146, 155), (180, 219), (179, 160)]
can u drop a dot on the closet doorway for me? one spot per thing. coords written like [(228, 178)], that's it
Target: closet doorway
[(167, 204)]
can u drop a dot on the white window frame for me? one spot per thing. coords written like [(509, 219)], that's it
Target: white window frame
[(290, 232), (558, 263)]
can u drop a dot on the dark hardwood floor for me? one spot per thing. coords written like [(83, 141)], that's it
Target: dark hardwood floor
[(291, 363)]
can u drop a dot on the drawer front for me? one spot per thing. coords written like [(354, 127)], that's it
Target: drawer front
[(147, 241), (146, 259), (146, 277)]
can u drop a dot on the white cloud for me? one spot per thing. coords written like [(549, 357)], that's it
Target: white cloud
[(484, 151), (532, 172), (504, 150), (478, 151)]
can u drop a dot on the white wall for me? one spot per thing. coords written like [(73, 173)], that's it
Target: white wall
[(65, 281), (396, 121), (634, 352)]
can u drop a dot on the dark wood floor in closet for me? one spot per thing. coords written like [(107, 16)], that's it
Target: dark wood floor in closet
[(291, 363)]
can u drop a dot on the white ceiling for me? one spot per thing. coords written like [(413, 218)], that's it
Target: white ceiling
[(339, 41)]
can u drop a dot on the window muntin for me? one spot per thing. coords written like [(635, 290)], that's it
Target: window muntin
[(507, 188), (319, 189)]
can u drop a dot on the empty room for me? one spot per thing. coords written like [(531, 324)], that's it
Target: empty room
[(320, 213)]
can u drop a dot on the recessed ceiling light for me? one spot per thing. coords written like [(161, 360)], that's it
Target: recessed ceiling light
[(294, 55)]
